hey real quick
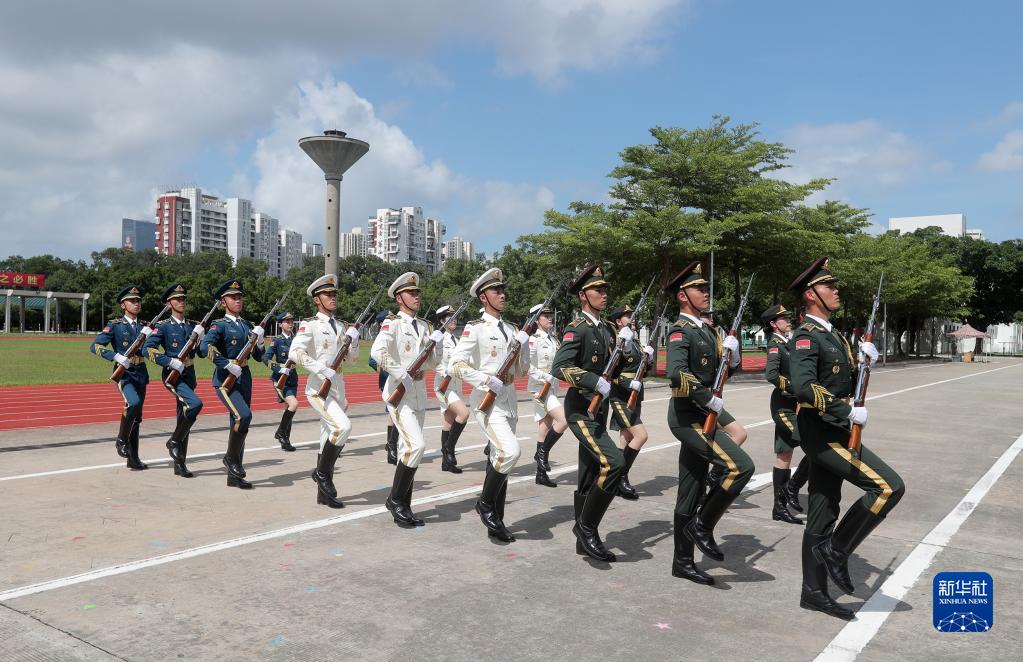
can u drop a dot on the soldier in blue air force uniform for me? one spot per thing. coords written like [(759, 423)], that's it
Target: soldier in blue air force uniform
[(119, 334), (163, 348), (276, 358), (223, 343)]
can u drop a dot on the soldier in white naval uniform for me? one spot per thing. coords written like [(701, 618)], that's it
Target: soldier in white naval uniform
[(401, 339), (313, 348), (452, 407), (549, 414), (477, 358)]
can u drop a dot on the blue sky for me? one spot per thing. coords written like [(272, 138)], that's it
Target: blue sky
[(487, 119)]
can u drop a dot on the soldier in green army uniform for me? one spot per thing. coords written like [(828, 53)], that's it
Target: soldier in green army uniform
[(694, 351), (822, 369), (777, 321), (627, 421), (585, 349)]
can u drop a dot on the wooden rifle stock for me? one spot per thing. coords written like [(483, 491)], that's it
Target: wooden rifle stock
[(399, 391), (444, 384), (282, 380), (711, 421), (193, 341), (136, 345), (863, 379), (544, 391)]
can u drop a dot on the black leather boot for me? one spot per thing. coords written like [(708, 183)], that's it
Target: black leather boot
[(814, 595), (447, 452), (794, 483), (323, 476), (541, 461), (449, 459), (392, 444), (834, 550), (395, 503), (585, 529), (682, 565), (543, 449), (123, 435), (408, 500), (625, 488), (780, 512), (504, 535), (283, 434), (578, 500), (233, 461), (177, 446), (715, 477), (486, 505), (701, 528), (134, 463)]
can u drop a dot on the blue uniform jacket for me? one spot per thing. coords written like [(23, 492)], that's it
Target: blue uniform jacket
[(223, 342), (277, 356), (119, 334), (169, 337)]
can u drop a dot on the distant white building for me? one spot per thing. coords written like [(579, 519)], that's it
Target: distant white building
[(457, 249), (952, 225), (405, 235), (267, 241), (353, 244), (290, 251)]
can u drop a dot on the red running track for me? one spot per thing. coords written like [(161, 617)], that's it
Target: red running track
[(23, 407)]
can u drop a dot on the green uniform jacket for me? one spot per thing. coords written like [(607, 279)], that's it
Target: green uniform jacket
[(693, 355), (777, 371), (585, 349), (821, 365)]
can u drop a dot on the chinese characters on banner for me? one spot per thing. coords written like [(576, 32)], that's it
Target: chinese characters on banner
[(18, 279)]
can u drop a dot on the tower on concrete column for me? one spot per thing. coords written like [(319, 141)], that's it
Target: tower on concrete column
[(335, 153)]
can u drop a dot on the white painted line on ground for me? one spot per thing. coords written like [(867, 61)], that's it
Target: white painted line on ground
[(852, 639)]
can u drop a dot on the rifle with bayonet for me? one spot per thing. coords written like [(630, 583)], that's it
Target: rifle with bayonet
[(655, 336), (346, 344), (250, 343), (616, 355), (424, 354), (863, 375), (722, 374), (190, 345), (136, 346)]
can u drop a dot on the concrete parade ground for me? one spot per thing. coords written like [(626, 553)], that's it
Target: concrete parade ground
[(101, 563)]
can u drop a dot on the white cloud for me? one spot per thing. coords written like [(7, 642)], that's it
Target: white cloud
[(1006, 156), (862, 156), (1010, 114)]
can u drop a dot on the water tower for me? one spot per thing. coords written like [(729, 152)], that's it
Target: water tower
[(335, 153)]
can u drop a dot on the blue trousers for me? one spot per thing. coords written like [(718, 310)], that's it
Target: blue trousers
[(237, 402)]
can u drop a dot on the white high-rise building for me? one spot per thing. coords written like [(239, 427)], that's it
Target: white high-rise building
[(406, 235), (267, 231), (290, 251), (457, 249), (312, 250), (353, 244), (240, 238), (952, 225)]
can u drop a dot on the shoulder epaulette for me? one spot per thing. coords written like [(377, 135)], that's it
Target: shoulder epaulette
[(475, 321), (808, 326), (119, 320), (162, 322), (309, 319), (577, 321), (392, 316), (685, 323)]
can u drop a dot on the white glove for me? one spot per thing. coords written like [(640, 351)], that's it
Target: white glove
[(234, 369), (437, 336), (716, 404), (626, 335), (122, 359), (199, 331), (522, 338), (546, 378), (146, 331), (603, 387), (353, 333), (868, 349), (650, 352), (406, 379), (636, 385), (283, 371), (858, 415), (177, 365), (731, 343), (328, 374), (495, 384), (260, 332)]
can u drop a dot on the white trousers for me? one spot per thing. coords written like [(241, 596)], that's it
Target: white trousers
[(411, 444), (499, 426), (335, 426)]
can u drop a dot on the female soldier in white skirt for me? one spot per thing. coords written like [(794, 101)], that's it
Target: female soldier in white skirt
[(452, 407), (548, 413)]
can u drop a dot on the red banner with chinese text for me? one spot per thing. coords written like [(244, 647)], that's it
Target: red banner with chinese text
[(18, 279)]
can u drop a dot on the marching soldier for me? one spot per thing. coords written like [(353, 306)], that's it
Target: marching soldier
[(476, 359), (276, 357), (163, 348), (632, 431), (313, 348), (549, 414), (777, 321), (586, 346), (401, 339), (119, 334), (822, 366), (738, 434), (694, 351), (452, 407), (223, 343)]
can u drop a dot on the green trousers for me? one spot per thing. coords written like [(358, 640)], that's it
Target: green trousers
[(698, 452), (600, 460), (831, 463), (783, 411)]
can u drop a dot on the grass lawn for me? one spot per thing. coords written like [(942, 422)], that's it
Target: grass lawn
[(26, 360)]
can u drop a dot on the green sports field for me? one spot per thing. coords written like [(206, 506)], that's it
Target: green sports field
[(26, 360)]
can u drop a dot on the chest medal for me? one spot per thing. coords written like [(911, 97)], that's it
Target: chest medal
[(835, 369), (408, 347), (704, 361)]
